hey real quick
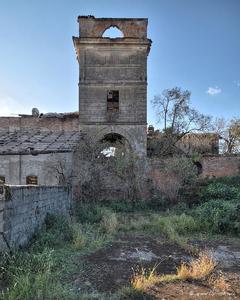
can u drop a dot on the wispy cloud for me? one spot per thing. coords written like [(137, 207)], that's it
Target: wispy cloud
[(214, 90), (237, 83), (12, 107)]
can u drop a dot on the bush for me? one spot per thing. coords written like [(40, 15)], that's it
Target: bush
[(158, 202), (219, 216), (227, 180), (88, 213), (220, 190), (177, 172)]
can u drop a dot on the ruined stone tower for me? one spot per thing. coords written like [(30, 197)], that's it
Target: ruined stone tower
[(113, 80)]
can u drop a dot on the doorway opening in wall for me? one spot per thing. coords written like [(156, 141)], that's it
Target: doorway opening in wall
[(113, 101), (114, 145), (31, 179)]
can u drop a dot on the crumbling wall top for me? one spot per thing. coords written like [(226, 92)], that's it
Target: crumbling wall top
[(92, 27)]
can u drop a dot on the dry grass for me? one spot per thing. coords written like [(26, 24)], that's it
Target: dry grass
[(219, 283), (109, 222), (143, 278), (197, 269), (79, 239)]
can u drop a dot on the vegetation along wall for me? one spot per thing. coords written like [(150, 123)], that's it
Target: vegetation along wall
[(24, 208)]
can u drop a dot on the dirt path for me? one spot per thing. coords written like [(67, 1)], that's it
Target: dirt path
[(111, 268)]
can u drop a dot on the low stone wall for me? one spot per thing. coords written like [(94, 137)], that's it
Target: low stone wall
[(23, 210)]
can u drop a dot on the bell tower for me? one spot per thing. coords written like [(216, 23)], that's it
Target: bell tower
[(113, 79)]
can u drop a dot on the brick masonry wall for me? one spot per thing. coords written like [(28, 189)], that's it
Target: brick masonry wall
[(53, 123), (23, 210), (217, 166)]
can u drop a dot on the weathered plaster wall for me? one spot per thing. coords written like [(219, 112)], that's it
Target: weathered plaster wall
[(23, 210), (15, 168)]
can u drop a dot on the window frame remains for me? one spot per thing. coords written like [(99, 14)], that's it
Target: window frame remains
[(32, 180), (2, 179), (113, 101)]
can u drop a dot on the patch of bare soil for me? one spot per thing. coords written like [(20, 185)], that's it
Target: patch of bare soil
[(184, 290), (111, 268)]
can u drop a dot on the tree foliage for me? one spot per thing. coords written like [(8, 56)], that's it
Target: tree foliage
[(229, 134), (177, 117)]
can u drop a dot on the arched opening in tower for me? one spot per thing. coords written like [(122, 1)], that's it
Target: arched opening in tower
[(114, 145), (113, 32)]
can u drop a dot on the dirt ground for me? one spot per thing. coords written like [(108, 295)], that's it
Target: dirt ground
[(111, 268)]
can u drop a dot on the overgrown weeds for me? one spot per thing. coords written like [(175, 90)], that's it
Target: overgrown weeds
[(35, 273)]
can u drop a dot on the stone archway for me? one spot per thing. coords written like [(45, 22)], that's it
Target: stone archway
[(116, 145)]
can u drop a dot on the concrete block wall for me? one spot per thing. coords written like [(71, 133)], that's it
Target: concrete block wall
[(23, 210)]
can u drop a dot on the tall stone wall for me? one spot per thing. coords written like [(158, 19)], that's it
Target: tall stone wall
[(23, 210)]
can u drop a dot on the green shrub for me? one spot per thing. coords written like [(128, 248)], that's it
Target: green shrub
[(227, 180), (220, 190), (88, 213), (120, 206), (219, 216), (180, 208), (158, 202)]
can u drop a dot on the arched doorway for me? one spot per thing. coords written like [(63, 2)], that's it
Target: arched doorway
[(115, 145)]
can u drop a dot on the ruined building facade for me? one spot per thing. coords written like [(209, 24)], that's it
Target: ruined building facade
[(34, 149), (113, 80)]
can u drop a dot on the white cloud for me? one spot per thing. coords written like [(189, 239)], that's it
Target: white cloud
[(214, 90), (11, 107)]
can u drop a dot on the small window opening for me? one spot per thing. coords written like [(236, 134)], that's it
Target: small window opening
[(2, 179), (32, 180), (113, 101)]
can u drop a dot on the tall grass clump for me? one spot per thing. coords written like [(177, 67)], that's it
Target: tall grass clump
[(28, 276), (109, 221), (57, 231), (199, 268), (174, 227)]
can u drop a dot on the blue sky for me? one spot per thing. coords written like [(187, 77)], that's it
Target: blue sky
[(196, 45)]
